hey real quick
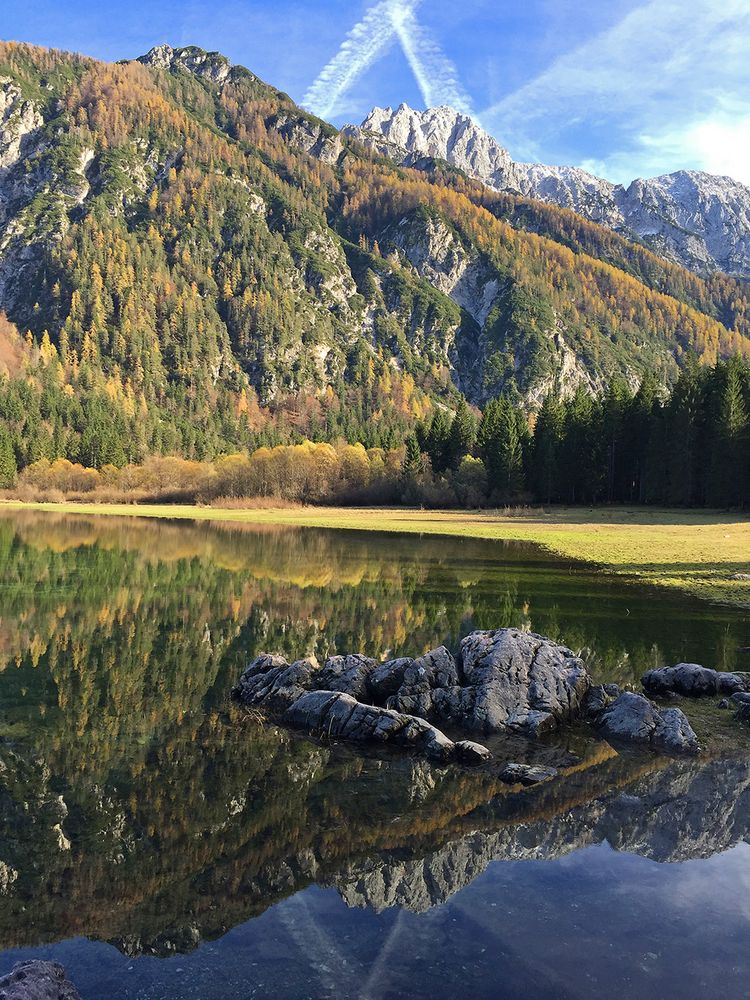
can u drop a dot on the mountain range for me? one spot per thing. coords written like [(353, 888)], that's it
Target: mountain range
[(190, 263), (695, 219)]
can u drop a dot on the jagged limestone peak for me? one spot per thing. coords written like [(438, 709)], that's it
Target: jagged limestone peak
[(692, 218)]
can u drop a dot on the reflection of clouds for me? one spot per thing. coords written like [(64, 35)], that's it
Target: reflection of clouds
[(718, 884)]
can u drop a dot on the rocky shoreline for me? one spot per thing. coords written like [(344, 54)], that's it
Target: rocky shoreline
[(501, 681)]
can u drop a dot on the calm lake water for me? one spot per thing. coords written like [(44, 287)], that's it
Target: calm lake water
[(161, 843)]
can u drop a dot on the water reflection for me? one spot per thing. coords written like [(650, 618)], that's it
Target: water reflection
[(137, 806)]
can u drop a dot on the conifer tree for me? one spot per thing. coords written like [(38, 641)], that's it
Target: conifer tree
[(412, 458), (462, 434), (729, 459), (7, 461), (437, 442), (548, 434), (501, 438), (683, 419)]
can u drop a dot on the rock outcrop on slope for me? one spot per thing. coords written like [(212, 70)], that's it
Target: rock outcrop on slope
[(36, 980), (503, 681), (695, 219)]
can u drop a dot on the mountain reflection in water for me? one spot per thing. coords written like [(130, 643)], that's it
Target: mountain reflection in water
[(139, 807)]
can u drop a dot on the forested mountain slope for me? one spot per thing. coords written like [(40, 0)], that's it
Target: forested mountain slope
[(190, 263)]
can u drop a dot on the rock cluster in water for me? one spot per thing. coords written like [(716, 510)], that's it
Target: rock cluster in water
[(693, 680), (502, 681), (37, 980)]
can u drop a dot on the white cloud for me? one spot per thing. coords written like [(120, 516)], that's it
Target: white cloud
[(712, 144), (662, 83), (717, 145)]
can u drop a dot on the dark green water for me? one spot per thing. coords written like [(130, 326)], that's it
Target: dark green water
[(162, 844)]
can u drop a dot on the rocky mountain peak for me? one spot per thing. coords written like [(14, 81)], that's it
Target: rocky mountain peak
[(695, 219), (212, 66)]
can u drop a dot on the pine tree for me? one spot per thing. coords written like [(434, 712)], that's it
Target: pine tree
[(726, 482), (412, 458), (615, 406), (642, 419), (582, 458), (683, 419), (501, 439), (548, 434), (8, 470), (462, 434), (437, 442)]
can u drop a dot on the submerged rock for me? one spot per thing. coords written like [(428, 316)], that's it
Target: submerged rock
[(472, 753), (503, 681), (526, 774), (598, 697), (693, 680), (273, 683), (633, 717), (435, 671), (37, 980)]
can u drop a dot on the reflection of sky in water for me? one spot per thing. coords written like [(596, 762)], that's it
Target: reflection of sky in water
[(171, 805), (595, 923)]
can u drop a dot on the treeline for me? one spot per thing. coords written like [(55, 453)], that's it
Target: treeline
[(304, 473), (690, 447)]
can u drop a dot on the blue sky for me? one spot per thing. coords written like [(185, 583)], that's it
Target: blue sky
[(623, 88)]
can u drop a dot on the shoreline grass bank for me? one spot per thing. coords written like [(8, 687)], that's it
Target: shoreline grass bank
[(697, 552)]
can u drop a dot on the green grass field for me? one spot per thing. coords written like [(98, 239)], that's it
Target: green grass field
[(694, 551)]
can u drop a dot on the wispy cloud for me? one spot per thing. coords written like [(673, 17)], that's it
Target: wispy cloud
[(369, 40), (435, 74), (660, 83)]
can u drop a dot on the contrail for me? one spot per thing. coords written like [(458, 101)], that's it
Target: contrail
[(368, 40), (435, 74)]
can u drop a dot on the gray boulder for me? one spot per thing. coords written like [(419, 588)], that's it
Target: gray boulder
[(269, 681), (435, 670), (469, 752), (346, 673), (597, 698), (36, 980), (526, 774), (387, 678), (516, 681), (634, 718), (693, 680), (335, 714)]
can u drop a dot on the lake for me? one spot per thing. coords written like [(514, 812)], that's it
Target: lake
[(162, 842)]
